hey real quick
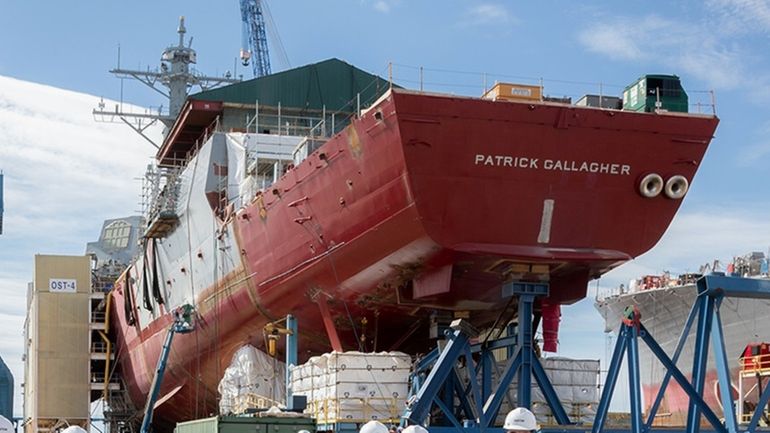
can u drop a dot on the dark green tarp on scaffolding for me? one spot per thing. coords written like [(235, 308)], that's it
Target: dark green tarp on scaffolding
[(331, 83)]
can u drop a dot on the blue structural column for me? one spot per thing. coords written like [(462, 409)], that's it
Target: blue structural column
[(524, 396), (612, 379), (486, 374), (634, 379), (480, 399), (418, 412), (291, 354), (723, 370), (510, 330), (700, 359), (628, 337), (492, 405), (664, 384), (680, 378), (711, 291)]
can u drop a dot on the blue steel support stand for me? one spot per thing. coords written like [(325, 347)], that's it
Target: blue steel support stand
[(480, 402), (291, 355), (711, 290)]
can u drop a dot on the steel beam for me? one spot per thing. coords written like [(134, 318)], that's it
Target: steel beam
[(634, 379), (331, 331), (681, 380), (700, 359), (664, 384), (717, 284), (418, 411), (492, 405), (480, 401), (524, 395), (609, 384), (486, 374), (291, 353), (723, 370), (550, 394)]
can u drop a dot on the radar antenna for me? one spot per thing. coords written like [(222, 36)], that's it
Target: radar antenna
[(173, 80)]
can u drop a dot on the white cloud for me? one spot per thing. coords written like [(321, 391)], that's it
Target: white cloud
[(488, 14), (696, 238), (740, 16), (64, 175), (691, 48), (608, 41), (382, 6)]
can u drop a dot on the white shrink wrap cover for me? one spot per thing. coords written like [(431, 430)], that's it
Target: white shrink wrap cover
[(354, 386), (576, 382), (253, 380)]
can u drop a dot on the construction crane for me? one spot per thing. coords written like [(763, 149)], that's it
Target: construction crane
[(254, 38)]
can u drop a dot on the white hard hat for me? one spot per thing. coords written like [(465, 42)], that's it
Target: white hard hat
[(415, 429), (374, 427), (520, 419)]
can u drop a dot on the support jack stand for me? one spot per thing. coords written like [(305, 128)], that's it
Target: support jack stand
[(479, 404)]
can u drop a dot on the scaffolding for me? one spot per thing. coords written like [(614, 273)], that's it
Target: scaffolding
[(160, 199)]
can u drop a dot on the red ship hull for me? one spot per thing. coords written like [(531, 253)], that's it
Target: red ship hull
[(425, 203)]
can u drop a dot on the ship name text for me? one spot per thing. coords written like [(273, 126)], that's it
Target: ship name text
[(552, 164)]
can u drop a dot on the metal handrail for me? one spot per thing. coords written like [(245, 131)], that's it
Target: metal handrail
[(758, 363)]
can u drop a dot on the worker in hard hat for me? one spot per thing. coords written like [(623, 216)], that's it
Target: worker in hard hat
[(520, 420), (415, 429), (373, 427)]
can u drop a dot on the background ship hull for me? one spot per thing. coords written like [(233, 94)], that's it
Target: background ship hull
[(397, 217), (664, 312)]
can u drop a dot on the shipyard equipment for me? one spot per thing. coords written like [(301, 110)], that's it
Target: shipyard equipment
[(479, 402), (183, 324), (712, 289), (254, 46)]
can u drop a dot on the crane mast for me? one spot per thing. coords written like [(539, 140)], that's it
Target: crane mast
[(254, 47)]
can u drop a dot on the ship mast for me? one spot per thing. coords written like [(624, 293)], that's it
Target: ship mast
[(173, 80)]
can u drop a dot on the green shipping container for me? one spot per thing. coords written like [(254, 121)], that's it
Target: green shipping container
[(246, 424), (647, 91)]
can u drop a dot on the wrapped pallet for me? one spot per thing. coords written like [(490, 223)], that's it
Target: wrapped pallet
[(354, 387), (253, 380), (576, 382)]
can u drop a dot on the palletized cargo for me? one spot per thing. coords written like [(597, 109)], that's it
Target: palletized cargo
[(354, 387)]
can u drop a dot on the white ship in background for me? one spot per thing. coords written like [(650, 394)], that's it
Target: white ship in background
[(664, 302)]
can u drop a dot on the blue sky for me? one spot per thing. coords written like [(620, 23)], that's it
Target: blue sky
[(718, 45), (712, 44)]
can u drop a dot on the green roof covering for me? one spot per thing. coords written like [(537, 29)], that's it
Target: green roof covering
[(331, 83)]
